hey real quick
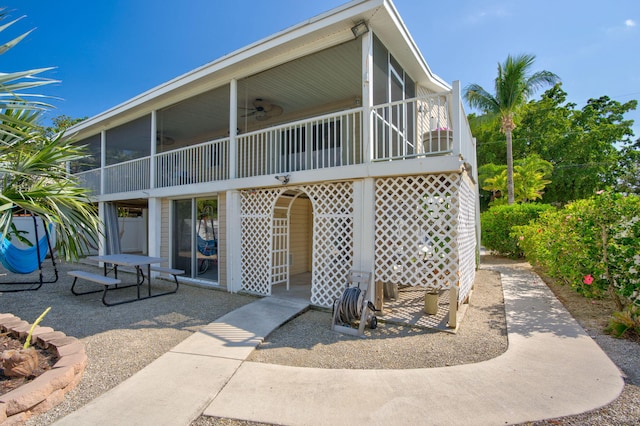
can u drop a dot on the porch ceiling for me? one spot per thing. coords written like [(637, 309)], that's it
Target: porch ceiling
[(323, 79), (293, 93), (326, 81)]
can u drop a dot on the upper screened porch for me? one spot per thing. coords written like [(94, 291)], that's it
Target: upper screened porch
[(413, 130), (300, 118)]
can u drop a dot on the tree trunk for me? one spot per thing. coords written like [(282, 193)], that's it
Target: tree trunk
[(510, 191), (20, 362)]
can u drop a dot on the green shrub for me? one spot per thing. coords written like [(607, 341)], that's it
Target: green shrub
[(592, 245), (497, 224), (625, 322), (562, 243)]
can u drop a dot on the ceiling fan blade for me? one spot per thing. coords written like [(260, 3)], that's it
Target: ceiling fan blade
[(274, 111)]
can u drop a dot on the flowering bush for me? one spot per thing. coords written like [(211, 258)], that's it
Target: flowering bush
[(593, 245)]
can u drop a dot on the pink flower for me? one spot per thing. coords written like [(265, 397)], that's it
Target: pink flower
[(588, 279), (600, 192), (521, 237)]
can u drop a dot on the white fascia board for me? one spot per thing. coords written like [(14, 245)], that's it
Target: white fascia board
[(408, 41), (351, 12)]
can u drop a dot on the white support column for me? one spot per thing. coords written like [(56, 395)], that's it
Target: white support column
[(358, 232), (155, 226), (453, 307), (102, 239), (456, 119), (103, 161), (364, 227), (233, 128), (152, 162), (233, 247), (367, 95)]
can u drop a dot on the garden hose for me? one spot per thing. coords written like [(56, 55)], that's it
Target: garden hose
[(349, 305)]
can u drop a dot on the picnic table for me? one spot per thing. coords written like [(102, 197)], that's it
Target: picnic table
[(131, 260)]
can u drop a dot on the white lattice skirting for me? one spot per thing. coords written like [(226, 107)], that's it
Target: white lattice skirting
[(424, 235), (425, 232)]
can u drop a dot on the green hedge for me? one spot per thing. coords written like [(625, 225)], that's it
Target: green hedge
[(498, 222), (592, 245)]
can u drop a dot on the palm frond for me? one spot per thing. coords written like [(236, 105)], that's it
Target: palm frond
[(479, 98), (8, 45)]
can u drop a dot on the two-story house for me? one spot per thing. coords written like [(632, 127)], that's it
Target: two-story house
[(328, 147)]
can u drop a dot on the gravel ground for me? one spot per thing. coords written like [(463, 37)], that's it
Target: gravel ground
[(123, 339), (308, 341), (119, 340)]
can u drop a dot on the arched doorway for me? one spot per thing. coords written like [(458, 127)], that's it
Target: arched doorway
[(292, 245), (328, 238)]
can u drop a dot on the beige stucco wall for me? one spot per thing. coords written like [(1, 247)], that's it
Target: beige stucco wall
[(165, 242), (300, 236)]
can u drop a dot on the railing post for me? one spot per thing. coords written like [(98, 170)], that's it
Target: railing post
[(103, 160), (367, 97), (456, 119), (152, 159), (233, 128)]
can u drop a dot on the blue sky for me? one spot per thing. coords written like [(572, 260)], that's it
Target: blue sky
[(106, 52)]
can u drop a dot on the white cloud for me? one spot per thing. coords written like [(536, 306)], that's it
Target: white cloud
[(630, 23), (483, 15)]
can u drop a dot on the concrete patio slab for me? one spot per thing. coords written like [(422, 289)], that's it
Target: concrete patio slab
[(552, 368)]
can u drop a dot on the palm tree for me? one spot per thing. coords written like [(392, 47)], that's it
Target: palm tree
[(531, 173), (33, 167), (513, 87), (530, 179), (34, 179)]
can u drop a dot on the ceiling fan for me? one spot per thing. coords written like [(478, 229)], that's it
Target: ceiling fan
[(263, 110), (162, 139)]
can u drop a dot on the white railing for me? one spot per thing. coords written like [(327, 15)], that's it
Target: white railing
[(414, 127), (90, 180), (467, 141), (132, 175), (206, 162), (327, 141)]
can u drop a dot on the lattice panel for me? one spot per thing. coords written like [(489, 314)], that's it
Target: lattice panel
[(256, 239), (467, 238), (417, 230), (332, 239)]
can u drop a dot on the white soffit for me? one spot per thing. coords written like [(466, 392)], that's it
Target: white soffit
[(323, 31)]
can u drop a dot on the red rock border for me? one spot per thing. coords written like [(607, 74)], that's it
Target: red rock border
[(47, 390)]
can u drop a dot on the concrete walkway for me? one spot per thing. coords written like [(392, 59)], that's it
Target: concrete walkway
[(551, 369)]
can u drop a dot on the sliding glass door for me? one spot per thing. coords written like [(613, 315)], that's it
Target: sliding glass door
[(195, 237)]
